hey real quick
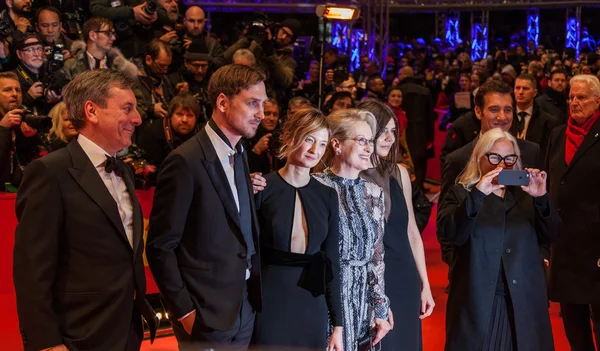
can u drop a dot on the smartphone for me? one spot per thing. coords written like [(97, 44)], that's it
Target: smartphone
[(513, 178)]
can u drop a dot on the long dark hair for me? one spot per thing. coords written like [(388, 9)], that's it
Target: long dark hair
[(383, 114)]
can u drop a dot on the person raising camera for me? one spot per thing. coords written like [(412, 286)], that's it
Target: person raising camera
[(30, 52), (271, 45), (19, 143)]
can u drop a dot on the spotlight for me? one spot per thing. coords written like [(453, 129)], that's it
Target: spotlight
[(339, 13)]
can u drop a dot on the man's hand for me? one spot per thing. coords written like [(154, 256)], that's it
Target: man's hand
[(57, 348), (169, 37), (258, 182), (186, 42), (188, 322), (66, 54), (22, 24), (36, 90), (159, 111), (182, 88), (262, 145), (4, 49), (28, 132), (11, 119), (52, 97), (141, 16)]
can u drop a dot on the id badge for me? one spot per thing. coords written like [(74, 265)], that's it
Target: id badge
[(115, 3)]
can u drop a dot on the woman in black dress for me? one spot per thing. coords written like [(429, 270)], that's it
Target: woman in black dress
[(407, 284), (298, 219)]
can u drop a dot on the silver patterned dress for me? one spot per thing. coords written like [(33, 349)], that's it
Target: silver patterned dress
[(361, 254)]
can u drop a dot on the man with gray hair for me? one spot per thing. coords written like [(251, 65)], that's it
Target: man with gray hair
[(78, 266), (244, 57)]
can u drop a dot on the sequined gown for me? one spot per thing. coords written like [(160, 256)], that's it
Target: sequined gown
[(362, 220)]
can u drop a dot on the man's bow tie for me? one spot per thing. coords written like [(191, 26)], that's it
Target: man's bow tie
[(112, 164)]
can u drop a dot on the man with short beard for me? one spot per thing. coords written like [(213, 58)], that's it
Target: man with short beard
[(554, 100), (48, 26), (16, 17), (202, 243)]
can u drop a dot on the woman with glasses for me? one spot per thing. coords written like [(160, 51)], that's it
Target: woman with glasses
[(407, 284), (497, 299), (365, 307)]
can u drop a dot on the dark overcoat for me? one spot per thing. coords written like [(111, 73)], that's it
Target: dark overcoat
[(488, 232)]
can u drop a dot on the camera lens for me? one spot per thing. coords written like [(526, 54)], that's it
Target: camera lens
[(150, 7)]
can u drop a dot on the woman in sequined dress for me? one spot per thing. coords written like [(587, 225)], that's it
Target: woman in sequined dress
[(365, 306)]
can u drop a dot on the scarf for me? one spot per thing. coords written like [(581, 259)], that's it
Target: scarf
[(576, 134)]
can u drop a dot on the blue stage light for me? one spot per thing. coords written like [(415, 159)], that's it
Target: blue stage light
[(572, 39), (453, 30), (479, 44), (533, 27)]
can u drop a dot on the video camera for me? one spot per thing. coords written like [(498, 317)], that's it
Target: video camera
[(340, 68), (73, 23), (43, 124), (257, 29)]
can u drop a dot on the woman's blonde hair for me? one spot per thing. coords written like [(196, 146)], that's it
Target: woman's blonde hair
[(472, 173), (341, 122), (57, 122), (296, 128)]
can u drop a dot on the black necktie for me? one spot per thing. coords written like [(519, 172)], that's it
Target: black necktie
[(241, 183), (113, 165), (522, 116)]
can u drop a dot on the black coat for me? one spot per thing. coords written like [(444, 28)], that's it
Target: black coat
[(575, 189), (540, 127), (154, 142), (75, 272), (554, 104), (489, 233), (418, 105), (457, 161), (195, 247), (464, 130)]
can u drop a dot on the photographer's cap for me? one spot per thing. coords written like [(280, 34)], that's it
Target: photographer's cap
[(20, 42), (294, 25), (198, 51)]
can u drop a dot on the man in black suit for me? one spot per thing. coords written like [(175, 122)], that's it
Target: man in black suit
[(554, 100), (531, 123), (202, 244), (494, 106), (574, 182), (78, 267)]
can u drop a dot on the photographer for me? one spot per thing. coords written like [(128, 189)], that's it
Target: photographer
[(135, 21), (19, 142), (271, 46), (97, 52), (159, 139), (265, 144), (48, 25), (156, 89), (30, 52), (192, 77), (14, 20)]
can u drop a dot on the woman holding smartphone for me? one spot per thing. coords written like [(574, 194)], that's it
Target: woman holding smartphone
[(497, 299)]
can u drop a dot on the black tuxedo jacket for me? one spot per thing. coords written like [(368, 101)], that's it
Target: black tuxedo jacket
[(575, 190), (75, 273), (195, 247), (457, 161), (539, 130)]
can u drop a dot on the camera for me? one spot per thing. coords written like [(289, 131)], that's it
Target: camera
[(43, 124), (257, 29), (54, 57), (5, 30), (144, 173), (73, 23), (151, 7), (340, 69)]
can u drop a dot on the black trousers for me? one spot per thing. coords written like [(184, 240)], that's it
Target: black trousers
[(136, 332), (576, 319), (420, 170), (235, 339)]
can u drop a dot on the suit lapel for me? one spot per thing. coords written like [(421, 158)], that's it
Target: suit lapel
[(84, 173), (590, 139), (255, 229), (138, 219), (217, 176)]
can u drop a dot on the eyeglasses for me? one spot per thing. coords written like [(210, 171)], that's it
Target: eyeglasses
[(108, 33), (163, 68), (31, 50), (495, 159), (362, 141)]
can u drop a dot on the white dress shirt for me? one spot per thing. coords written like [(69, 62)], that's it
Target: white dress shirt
[(529, 112), (92, 61), (226, 156), (115, 184)]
